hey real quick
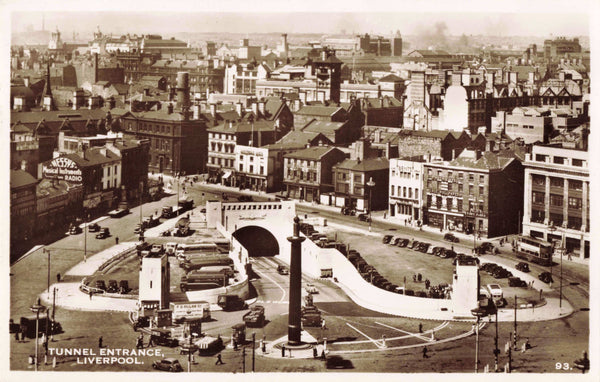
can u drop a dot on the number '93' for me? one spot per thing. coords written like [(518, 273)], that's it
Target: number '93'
[(563, 366)]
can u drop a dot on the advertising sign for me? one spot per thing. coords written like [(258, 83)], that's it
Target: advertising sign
[(62, 169)]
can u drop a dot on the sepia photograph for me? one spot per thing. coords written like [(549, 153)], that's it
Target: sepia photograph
[(339, 189)]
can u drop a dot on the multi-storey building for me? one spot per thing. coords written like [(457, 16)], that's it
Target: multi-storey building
[(22, 206), (351, 179), (476, 193), (560, 46), (241, 78), (557, 197), (436, 143), (256, 168), (406, 189), (307, 172)]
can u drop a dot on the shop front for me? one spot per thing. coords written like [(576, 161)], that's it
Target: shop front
[(435, 219)]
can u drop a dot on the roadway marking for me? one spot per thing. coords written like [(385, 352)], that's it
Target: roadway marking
[(274, 282), (418, 335), (375, 342)]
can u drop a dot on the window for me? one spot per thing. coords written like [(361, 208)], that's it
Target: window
[(540, 157), (577, 162), (449, 203), (556, 200), (471, 189), (428, 200), (392, 190), (241, 167), (556, 182), (460, 175), (459, 205), (438, 202), (575, 185), (404, 192), (559, 160), (429, 172), (471, 205), (575, 203), (439, 173), (537, 216), (574, 222), (538, 197), (471, 177), (480, 190), (460, 187), (538, 180), (410, 193), (262, 169), (481, 179)]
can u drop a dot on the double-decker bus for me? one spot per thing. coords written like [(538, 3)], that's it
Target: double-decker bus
[(535, 250)]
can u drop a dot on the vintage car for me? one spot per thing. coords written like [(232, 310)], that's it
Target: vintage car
[(167, 364), (103, 234), (450, 237), (94, 227)]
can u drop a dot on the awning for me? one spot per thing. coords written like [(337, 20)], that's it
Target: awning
[(227, 174)]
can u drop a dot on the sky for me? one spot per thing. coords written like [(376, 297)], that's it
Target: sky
[(508, 18)]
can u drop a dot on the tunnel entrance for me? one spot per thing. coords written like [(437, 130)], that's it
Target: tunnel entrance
[(258, 241)]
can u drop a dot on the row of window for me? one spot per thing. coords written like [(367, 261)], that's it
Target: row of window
[(107, 170), (406, 174), (405, 192), (310, 176), (222, 147), (556, 200), (227, 137), (152, 128), (450, 174), (300, 163), (221, 161), (560, 160), (573, 222), (251, 169), (540, 180)]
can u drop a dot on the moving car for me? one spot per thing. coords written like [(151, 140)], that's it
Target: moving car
[(545, 277), (364, 217), (255, 317), (311, 288), (516, 282), (485, 247), (337, 362), (103, 234), (283, 270), (119, 212), (94, 227), (386, 239), (495, 290), (523, 267), (167, 364), (451, 237)]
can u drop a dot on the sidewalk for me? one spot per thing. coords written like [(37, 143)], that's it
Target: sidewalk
[(69, 296), (94, 262)]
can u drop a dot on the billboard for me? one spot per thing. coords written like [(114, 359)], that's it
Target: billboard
[(62, 169)]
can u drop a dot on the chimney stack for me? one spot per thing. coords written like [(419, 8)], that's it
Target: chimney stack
[(170, 108), (183, 91), (95, 67), (213, 109), (261, 107), (255, 107), (238, 108)]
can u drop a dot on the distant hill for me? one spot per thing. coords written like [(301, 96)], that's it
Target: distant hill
[(31, 38)]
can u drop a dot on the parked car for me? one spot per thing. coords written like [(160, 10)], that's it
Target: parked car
[(447, 253), (501, 273), (523, 267), (167, 364), (283, 270), (413, 244), (74, 230), (113, 286), (348, 211), (94, 227), (545, 277), (451, 237), (244, 198), (364, 217), (103, 234), (100, 284), (516, 282), (402, 243), (386, 239), (337, 362)]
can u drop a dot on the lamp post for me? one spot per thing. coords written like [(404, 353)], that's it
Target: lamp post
[(563, 250), (85, 238), (37, 308), (478, 313), (552, 228), (370, 184)]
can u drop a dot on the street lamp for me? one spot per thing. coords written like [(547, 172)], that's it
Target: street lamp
[(552, 228), (478, 313), (37, 308), (370, 184)]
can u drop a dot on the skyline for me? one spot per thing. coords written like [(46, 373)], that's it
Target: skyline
[(410, 23)]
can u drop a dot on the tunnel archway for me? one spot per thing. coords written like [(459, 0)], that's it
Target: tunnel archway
[(257, 240)]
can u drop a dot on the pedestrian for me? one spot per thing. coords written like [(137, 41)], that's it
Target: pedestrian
[(219, 360), (58, 277), (91, 293), (427, 283), (17, 336), (100, 342), (23, 332), (315, 352), (524, 347), (425, 352), (569, 256), (452, 248), (419, 277), (282, 351), (151, 341), (414, 278), (235, 347), (117, 240), (420, 327), (264, 347)]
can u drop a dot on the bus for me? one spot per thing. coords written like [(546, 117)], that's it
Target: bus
[(185, 249), (535, 250)]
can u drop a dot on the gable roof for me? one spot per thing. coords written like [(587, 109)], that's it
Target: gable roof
[(369, 164), (312, 153), (321, 111)]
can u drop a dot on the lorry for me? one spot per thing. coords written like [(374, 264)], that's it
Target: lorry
[(231, 302), (183, 205), (196, 309), (203, 280), (182, 227), (255, 317), (28, 324), (119, 212)]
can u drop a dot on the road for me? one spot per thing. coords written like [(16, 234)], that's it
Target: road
[(350, 328)]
